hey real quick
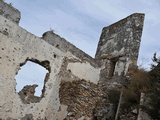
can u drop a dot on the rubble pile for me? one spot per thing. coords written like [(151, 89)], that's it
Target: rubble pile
[(81, 97), (27, 94)]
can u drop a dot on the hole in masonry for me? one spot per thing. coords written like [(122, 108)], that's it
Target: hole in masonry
[(57, 45), (31, 78), (112, 68), (55, 55)]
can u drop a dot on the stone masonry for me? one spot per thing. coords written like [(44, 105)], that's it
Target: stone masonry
[(74, 87)]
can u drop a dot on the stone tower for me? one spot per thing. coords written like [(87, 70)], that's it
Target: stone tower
[(118, 47)]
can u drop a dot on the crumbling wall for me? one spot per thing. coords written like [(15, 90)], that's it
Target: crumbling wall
[(67, 47), (81, 97), (76, 66), (118, 50), (9, 12), (74, 77), (114, 50), (16, 47), (79, 63), (118, 47)]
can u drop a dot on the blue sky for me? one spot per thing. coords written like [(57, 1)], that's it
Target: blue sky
[(30, 74), (81, 21)]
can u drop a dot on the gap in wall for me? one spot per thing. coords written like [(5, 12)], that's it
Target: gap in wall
[(31, 73), (112, 68)]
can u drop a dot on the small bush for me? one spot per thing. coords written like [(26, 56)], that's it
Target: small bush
[(152, 107), (139, 83), (146, 82)]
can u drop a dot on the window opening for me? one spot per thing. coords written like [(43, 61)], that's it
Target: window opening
[(112, 68), (31, 73)]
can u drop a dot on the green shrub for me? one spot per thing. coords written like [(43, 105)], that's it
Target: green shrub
[(139, 83), (152, 108)]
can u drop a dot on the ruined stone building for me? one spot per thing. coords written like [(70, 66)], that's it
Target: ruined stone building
[(76, 84)]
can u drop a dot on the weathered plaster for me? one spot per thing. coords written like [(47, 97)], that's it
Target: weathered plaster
[(84, 71)]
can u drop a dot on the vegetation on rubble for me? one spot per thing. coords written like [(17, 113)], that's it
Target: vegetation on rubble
[(148, 83), (153, 105), (138, 83), (82, 97)]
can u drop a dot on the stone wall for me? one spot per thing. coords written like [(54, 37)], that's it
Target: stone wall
[(9, 12), (73, 78), (76, 66), (16, 47), (118, 47)]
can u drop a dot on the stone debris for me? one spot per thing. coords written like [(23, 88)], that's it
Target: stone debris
[(128, 114), (135, 111), (105, 56), (27, 117), (81, 97), (86, 99), (27, 94), (104, 111)]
